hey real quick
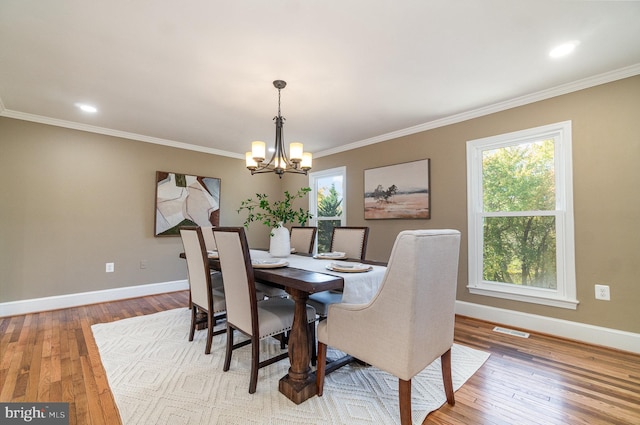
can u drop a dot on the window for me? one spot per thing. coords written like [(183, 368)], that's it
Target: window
[(328, 189), (520, 207)]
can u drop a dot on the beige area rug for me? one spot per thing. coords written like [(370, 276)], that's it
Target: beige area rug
[(158, 377)]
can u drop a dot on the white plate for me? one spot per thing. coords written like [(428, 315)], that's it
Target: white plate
[(268, 264), (349, 267), (212, 254), (336, 255)]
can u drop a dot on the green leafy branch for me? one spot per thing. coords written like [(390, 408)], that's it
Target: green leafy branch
[(273, 214)]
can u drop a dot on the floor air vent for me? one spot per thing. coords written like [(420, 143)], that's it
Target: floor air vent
[(511, 332)]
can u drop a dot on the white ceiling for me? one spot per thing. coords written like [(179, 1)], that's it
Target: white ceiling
[(200, 72)]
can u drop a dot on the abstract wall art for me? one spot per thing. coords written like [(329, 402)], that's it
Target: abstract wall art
[(184, 200)]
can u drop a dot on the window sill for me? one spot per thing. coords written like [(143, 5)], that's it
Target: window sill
[(571, 304)]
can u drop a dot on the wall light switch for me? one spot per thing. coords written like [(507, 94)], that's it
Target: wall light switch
[(110, 267)]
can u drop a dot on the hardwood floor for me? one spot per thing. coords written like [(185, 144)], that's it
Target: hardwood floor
[(52, 356)]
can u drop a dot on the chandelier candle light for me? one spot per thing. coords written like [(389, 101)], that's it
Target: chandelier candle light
[(298, 162)]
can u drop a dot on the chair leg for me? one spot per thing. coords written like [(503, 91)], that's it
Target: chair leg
[(445, 361), (210, 323), (405, 401), (227, 357), (255, 363), (322, 367), (193, 322)]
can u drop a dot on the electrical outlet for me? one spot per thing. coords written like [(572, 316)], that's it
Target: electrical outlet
[(143, 264), (110, 267), (602, 292)]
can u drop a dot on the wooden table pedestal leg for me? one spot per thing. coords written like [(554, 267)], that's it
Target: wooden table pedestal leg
[(299, 384)]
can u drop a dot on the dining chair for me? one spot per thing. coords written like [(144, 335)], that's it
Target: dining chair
[(303, 239), (209, 240), (350, 240), (353, 242), (205, 302), (264, 290), (255, 319), (210, 243), (409, 322)]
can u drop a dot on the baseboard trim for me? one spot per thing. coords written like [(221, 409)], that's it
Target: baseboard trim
[(597, 335), (14, 308), (621, 340)]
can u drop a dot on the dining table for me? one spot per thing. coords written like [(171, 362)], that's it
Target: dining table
[(304, 275), (301, 275)]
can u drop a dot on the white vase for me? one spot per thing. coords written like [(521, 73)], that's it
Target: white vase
[(280, 244)]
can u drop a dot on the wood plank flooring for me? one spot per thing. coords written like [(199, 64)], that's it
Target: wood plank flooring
[(52, 356)]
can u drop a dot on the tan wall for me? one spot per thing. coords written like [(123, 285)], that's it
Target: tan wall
[(606, 163), (72, 201)]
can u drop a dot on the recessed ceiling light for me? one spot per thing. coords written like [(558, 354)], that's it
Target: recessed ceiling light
[(87, 108), (563, 49)]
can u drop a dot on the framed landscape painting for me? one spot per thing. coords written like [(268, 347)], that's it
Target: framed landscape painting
[(184, 200), (398, 191)]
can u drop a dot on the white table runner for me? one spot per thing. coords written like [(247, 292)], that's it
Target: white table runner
[(359, 288)]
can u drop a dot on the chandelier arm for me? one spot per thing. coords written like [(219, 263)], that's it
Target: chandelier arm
[(287, 171), (279, 162)]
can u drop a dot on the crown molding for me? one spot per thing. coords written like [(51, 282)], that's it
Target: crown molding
[(115, 133), (585, 83)]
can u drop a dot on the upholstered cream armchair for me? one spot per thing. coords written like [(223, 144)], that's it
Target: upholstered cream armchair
[(409, 322)]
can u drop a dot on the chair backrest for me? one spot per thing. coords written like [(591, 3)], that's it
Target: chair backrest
[(197, 265), (303, 238), (350, 240), (237, 277), (209, 240), (417, 298)]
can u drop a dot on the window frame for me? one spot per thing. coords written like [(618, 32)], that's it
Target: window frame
[(313, 198), (564, 295)]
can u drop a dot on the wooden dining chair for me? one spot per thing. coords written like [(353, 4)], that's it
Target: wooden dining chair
[(353, 242), (210, 244), (303, 239), (350, 240), (409, 322), (256, 319), (207, 304), (271, 291), (209, 240), (264, 290)]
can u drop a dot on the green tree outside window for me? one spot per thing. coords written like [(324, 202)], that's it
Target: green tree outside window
[(329, 205), (519, 239)]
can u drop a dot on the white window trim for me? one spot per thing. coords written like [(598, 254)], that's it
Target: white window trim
[(313, 196), (565, 294)]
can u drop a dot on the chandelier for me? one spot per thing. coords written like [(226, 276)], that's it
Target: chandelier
[(298, 162)]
